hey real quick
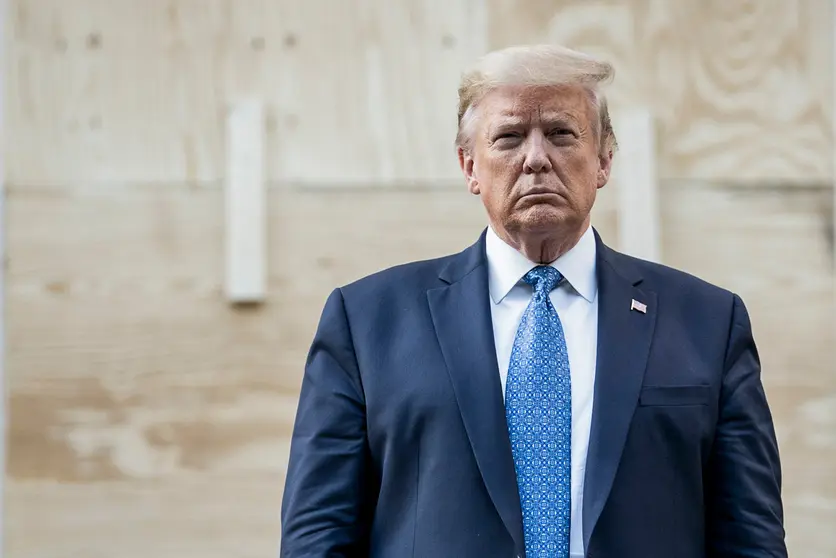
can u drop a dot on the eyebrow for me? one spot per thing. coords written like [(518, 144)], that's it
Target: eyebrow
[(507, 122), (561, 116), (504, 121)]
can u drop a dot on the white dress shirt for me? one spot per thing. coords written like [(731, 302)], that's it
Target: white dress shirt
[(576, 302)]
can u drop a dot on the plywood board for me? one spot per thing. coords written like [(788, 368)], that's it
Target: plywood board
[(364, 91), (212, 516), (104, 90), (358, 92), (603, 28), (742, 90)]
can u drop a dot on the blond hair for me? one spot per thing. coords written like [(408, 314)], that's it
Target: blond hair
[(536, 65)]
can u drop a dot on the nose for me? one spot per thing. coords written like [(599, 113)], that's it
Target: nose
[(536, 158)]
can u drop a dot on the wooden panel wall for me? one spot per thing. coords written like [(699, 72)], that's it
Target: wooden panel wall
[(357, 92), (363, 92), (147, 417), (742, 89)]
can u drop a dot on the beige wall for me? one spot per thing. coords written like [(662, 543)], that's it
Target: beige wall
[(147, 417)]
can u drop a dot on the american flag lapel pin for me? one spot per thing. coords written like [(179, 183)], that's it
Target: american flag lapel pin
[(636, 305)]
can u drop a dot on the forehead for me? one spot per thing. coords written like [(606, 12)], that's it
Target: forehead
[(532, 101)]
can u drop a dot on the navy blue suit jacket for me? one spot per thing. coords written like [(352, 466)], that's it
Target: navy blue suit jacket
[(400, 447)]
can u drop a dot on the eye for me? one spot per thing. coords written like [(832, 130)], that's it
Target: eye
[(507, 140), (561, 132)]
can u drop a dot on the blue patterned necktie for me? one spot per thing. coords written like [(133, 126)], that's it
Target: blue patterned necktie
[(538, 402)]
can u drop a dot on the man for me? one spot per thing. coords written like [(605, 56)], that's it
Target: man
[(538, 394)]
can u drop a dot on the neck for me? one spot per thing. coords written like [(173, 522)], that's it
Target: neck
[(543, 248)]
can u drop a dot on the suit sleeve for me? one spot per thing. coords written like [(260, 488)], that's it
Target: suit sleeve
[(327, 500), (743, 482)]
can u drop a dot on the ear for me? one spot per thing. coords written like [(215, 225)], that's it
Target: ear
[(604, 168), (466, 163)]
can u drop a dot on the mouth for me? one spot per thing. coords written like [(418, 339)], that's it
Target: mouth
[(539, 193)]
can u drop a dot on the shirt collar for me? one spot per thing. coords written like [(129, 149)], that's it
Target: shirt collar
[(507, 266)]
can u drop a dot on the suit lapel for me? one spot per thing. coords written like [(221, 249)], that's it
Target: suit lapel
[(462, 318), (624, 337)]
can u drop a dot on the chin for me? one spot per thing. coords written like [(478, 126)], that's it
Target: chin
[(543, 218)]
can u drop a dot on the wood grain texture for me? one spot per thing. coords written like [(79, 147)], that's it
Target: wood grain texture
[(362, 91), (102, 90), (742, 89), (604, 28), (212, 516)]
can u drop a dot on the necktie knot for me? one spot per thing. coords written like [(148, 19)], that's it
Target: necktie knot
[(544, 278)]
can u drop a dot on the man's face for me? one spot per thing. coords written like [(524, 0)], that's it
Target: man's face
[(534, 160)]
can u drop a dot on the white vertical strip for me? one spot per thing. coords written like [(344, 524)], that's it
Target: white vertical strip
[(245, 209), (634, 175), (377, 113)]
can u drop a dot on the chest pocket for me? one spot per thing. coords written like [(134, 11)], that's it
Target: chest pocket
[(674, 396)]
